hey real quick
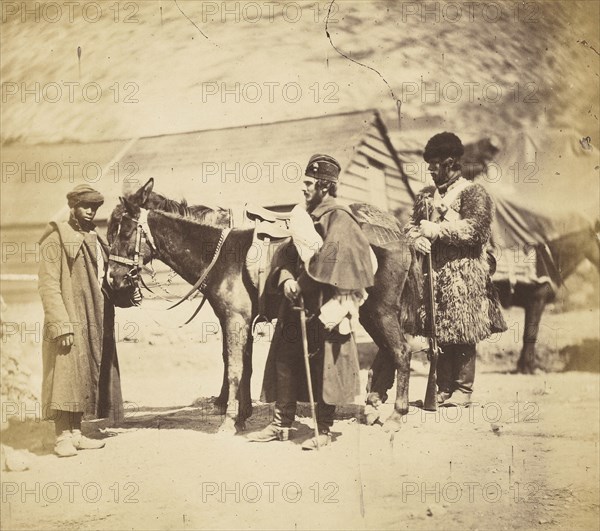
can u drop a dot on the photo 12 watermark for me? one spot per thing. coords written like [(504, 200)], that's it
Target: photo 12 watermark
[(268, 492), (35, 411), (90, 172), (69, 92), (38, 332), (250, 12), (269, 92), (264, 172), (451, 492), (475, 12), (468, 92), (60, 12), (69, 492)]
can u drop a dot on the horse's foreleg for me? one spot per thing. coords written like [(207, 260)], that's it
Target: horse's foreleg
[(235, 335), (245, 398), (533, 316)]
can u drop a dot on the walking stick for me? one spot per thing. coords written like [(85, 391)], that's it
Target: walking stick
[(430, 402), (311, 397)]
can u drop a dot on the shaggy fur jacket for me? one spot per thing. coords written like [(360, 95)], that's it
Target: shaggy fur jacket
[(467, 306)]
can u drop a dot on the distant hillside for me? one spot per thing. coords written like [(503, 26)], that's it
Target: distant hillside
[(160, 74)]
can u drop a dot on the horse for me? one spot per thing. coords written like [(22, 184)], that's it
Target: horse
[(213, 215), (567, 252), (217, 216), (191, 248)]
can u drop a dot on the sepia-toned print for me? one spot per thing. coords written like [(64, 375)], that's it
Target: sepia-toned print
[(316, 264)]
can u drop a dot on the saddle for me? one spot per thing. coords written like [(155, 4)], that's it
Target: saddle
[(255, 212), (270, 234), (267, 223)]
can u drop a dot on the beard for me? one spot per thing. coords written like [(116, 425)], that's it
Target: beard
[(314, 201), (439, 179)]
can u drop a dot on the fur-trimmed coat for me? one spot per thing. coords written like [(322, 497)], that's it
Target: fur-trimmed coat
[(467, 307)]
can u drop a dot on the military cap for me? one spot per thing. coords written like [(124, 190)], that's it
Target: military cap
[(84, 193), (442, 146), (323, 167)]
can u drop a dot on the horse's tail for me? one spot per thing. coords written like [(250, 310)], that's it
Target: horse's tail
[(412, 294)]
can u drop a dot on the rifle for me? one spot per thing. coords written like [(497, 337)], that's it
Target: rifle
[(430, 402), (311, 397)]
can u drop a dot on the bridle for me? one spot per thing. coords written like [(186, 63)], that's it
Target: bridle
[(133, 276), (143, 235)]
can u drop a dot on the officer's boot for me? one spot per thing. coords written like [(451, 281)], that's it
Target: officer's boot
[(325, 413), (280, 427), (464, 375)]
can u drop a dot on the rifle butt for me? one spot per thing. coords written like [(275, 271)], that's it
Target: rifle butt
[(430, 402)]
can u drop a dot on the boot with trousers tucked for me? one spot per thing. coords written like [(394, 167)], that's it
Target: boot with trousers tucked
[(456, 374), (285, 407)]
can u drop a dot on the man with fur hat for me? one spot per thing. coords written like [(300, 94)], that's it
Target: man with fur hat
[(339, 272), (452, 221), (80, 367)]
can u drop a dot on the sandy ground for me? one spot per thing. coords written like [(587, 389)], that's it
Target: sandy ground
[(526, 456)]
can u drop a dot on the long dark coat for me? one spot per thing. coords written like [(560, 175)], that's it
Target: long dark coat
[(343, 262), (84, 378), (467, 307)]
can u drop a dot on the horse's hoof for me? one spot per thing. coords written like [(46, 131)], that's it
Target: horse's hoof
[(240, 426), (525, 368), (227, 427), (393, 423)]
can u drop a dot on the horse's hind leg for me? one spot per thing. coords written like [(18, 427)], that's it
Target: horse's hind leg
[(394, 356), (383, 369), (534, 306)]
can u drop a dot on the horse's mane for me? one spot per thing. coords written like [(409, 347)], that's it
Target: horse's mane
[(158, 201), (194, 222), (205, 213)]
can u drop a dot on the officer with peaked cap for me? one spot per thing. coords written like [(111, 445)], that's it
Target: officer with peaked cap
[(340, 270)]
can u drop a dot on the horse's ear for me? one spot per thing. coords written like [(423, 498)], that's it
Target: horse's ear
[(141, 196), (146, 190), (129, 206)]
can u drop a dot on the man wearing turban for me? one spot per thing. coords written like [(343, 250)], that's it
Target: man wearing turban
[(452, 220), (80, 367), (337, 275)]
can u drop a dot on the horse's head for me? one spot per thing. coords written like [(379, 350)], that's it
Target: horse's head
[(130, 247), (478, 155), (139, 198)]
